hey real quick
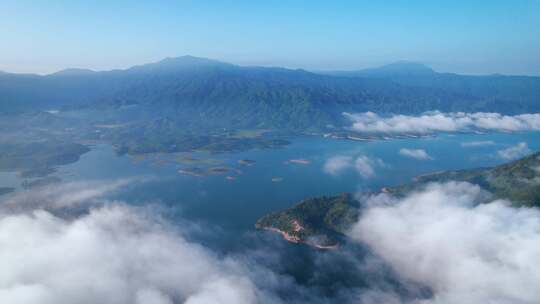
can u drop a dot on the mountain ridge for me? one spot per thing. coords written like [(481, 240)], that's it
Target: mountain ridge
[(400, 66), (236, 96)]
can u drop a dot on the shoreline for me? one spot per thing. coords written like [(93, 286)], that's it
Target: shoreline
[(296, 240)]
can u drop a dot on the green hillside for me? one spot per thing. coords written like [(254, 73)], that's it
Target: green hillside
[(325, 219), (318, 221), (517, 181), (225, 95)]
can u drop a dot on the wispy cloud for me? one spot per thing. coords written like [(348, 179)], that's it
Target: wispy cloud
[(422, 236), (419, 154), (514, 152), (477, 143), (363, 165), (337, 164), (442, 122), (64, 195)]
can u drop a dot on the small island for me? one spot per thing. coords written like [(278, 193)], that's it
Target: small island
[(192, 171), (176, 139), (319, 222), (246, 162), (299, 161), (196, 171)]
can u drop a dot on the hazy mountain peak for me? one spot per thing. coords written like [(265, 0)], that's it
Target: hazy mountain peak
[(396, 69), (408, 65), (401, 68), (179, 63), (73, 72), (186, 59)]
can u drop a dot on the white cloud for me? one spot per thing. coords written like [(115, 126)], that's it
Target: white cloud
[(477, 143), (431, 122), (514, 152), (113, 253), (419, 154), (337, 164), (63, 195), (363, 165), (463, 251)]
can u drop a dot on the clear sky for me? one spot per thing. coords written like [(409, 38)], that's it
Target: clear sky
[(465, 36)]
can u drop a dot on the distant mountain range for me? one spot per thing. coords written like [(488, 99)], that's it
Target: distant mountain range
[(192, 89), (393, 70)]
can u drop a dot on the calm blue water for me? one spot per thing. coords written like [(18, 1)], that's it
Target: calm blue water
[(237, 204)]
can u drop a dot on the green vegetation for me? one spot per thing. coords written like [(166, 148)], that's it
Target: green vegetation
[(324, 219), (149, 139), (38, 158), (187, 103), (204, 94), (196, 171), (517, 181), (321, 220)]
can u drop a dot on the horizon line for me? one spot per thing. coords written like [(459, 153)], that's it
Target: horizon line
[(315, 71)]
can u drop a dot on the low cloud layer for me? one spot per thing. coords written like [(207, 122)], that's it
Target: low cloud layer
[(113, 253), (432, 122), (463, 251), (419, 154), (363, 165), (514, 152), (116, 253), (109, 252)]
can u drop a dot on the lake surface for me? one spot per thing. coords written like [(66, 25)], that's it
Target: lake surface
[(227, 208), (234, 200)]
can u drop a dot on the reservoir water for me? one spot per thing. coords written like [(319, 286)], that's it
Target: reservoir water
[(238, 194)]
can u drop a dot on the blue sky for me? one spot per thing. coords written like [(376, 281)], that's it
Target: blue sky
[(473, 37)]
